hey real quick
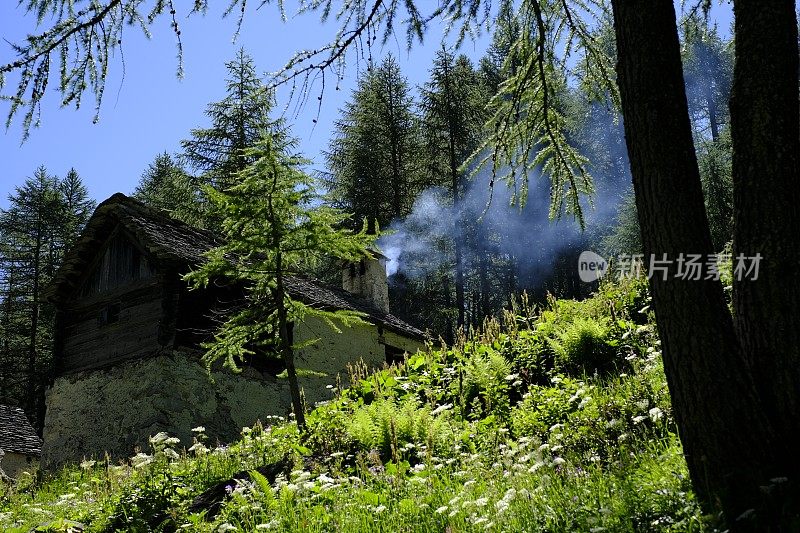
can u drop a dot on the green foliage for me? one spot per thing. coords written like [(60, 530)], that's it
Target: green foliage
[(373, 159), (584, 344), (44, 217), (274, 226), (165, 185), (402, 449)]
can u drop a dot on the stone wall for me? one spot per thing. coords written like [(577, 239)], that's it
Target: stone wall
[(118, 408), (14, 464)]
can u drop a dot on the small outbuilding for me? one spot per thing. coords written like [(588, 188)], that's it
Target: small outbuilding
[(128, 333), (20, 446)]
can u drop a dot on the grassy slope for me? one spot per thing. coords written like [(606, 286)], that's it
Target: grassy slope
[(561, 422)]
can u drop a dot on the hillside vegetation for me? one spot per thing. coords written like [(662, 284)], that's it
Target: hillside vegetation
[(553, 419)]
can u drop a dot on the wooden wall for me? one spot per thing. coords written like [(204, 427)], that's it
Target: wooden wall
[(91, 340), (118, 312)]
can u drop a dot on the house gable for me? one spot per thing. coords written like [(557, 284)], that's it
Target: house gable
[(120, 264)]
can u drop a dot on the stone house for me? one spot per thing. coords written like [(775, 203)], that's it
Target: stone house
[(20, 446), (128, 333)]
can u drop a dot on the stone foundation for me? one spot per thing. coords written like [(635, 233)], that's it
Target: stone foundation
[(116, 409)]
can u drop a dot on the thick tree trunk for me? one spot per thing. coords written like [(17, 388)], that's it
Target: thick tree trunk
[(765, 126), (726, 440)]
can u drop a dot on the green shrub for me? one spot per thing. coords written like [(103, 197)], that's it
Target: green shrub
[(584, 346)]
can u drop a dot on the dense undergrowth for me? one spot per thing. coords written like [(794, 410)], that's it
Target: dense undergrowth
[(554, 419)]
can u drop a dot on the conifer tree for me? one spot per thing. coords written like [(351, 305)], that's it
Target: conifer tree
[(217, 152), (453, 103), (274, 226), (165, 185), (44, 217), (374, 168)]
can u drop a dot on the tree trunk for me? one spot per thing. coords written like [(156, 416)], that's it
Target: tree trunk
[(765, 127), (726, 440), (286, 346), (33, 375), (455, 189)]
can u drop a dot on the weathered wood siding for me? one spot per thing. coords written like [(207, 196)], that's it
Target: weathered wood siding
[(91, 341), (118, 311)]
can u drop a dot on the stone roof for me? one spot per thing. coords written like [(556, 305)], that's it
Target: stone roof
[(171, 241), (16, 433)]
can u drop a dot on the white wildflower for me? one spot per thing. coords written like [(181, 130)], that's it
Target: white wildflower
[(199, 429), (442, 509), (141, 460), (442, 408), (656, 414), (224, 528)]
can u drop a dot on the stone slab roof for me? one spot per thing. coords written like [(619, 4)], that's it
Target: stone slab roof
[(171, 241), (16, 433)]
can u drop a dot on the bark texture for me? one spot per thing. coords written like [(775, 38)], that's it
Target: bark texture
[(765, 127), (726, 440)]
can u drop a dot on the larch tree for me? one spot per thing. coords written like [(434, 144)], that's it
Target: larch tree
[(274, 225), (165, 185), (217, 153), (44, 217), (374, 168), (453, 102)]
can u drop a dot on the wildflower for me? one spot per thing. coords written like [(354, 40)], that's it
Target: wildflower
[(501, 506), (481, 502), (638, 419), (223, 528), (656, 414), (536, 466), (88, 464), (558, 461), (169, 453), (199, 429), (158, 438), (469, 483), (141, 460), (442, 408), (324, 478), (481, 520), (198, 448), (442, 509), (380, 508)]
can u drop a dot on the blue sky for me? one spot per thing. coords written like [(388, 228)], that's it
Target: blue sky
[(150, 110)]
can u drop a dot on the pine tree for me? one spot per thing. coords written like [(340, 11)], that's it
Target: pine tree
[(165, 185), (274, 225), (453, 103), (217, 153), (373, 162)]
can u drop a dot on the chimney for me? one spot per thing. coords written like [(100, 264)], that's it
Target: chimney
[(367, 279)]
